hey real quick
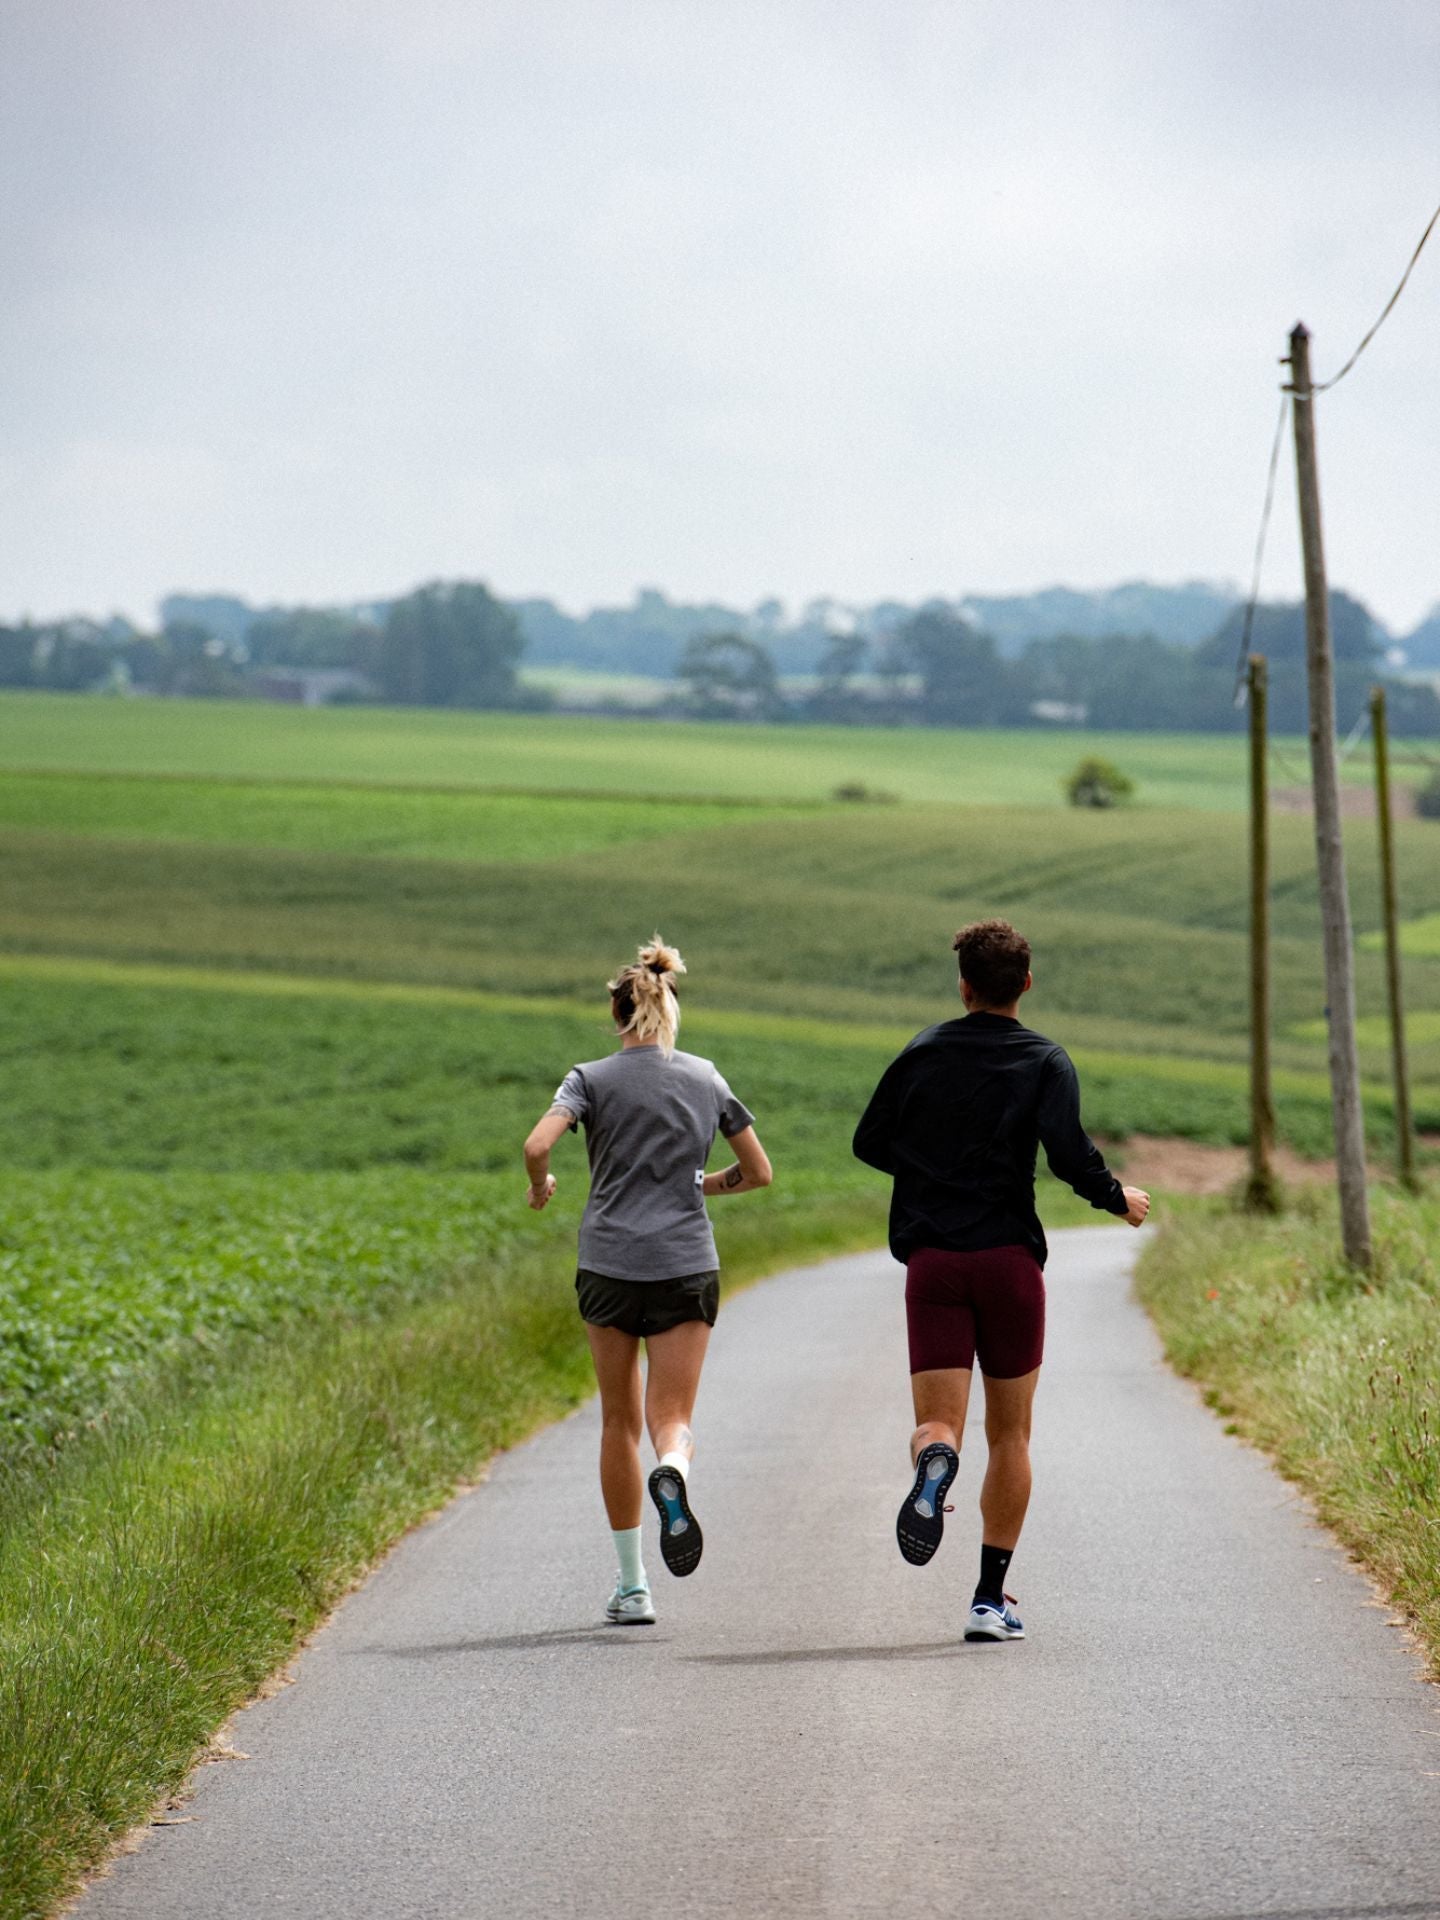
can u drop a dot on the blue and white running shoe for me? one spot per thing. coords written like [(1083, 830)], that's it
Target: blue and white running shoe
[(681, 1541), (921, 1520), (989, 1622)]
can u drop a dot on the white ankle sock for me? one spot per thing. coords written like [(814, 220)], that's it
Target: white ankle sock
[(679, 1461), (627, 1548)]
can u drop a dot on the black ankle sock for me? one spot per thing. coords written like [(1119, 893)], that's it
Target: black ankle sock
[(994, 1562)]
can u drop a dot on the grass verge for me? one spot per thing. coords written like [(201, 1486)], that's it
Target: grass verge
[(1335, 1378)]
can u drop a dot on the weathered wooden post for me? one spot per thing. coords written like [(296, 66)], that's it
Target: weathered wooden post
[(1329, 844), (1404, 1132), (1262, 1193)]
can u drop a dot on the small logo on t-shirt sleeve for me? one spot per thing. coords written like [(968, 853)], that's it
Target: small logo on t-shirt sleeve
[(699, 1176)]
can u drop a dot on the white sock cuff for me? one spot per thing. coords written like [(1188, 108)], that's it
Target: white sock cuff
[(627, 1551), (679, 1461)]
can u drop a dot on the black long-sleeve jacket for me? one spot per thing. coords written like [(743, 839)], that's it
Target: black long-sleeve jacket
[(958, 1118)]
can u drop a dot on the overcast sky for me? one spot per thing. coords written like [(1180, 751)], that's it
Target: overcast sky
[(315, 299)]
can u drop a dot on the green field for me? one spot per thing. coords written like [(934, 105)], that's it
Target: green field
[(402, 822), (575, 754), (280, 994), (238, 973)]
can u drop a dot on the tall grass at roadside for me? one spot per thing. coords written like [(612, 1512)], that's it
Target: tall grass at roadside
[(1337, 1377)]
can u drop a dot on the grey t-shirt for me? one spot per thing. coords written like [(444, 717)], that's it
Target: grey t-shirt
[(650, 1123)]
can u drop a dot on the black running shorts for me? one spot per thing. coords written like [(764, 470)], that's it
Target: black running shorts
[(646, 1307)]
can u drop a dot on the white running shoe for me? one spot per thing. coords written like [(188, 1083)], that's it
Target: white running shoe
[(631, 1607), (989, 1622)]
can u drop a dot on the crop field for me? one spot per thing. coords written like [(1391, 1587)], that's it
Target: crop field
[(578, 755), (256, 944)]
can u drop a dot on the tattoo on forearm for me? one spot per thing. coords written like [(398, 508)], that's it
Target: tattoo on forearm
[(732, 1177)]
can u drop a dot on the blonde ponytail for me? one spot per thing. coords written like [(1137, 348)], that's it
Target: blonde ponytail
[(645, 997)]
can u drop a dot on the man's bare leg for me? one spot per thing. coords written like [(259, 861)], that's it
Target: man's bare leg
[(1004, 1496), (1005, 1492), (942, 1398)]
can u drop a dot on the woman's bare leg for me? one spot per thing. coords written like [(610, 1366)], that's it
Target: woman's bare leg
[(617, 1372), (671, 1384)]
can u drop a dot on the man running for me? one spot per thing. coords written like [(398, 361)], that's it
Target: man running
[(956, 1121)]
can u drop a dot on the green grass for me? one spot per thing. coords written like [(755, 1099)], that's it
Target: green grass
[(1336, 1379), (1419, 937), (154, 1068), (411, 747), (428, 824), (839, 915)]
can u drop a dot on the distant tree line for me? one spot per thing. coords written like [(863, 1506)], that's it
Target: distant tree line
[(455, 644), (938, 668), (449, 644)]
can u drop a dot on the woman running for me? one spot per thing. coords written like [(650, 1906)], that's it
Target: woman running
[(648, 1269)]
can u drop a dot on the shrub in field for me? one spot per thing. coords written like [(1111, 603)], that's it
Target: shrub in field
[(1097, 783), (856, 792)]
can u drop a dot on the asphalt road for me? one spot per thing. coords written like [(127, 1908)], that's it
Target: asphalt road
[(1210, 1718)]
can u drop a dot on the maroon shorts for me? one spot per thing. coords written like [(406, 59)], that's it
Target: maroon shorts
[(990, 1304)]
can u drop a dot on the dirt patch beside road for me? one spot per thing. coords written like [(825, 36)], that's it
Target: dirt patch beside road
[(1188, 1166)]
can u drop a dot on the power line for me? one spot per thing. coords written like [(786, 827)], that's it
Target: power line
[(1335, 379), (1247, 625), (1355, 735), (1249, 621)]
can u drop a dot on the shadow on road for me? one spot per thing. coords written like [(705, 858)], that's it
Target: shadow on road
[(787, 1656), (588, 1636), (1407, 1910)]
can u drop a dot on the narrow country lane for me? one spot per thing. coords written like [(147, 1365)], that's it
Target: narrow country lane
[(1210, 1719)]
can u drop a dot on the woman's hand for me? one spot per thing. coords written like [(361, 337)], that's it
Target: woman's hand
[(1138, 1208), (543, 1135)]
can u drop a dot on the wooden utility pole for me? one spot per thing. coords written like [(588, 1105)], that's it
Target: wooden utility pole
[(1345, 1105), (1404, 1136), (1261, 1190)]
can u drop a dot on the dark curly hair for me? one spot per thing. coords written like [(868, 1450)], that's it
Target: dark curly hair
[(995, 959)]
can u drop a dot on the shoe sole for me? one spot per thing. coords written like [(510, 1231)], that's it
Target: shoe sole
[(630, 1619), (988, 1633), (681, 1541), (921, 1521)]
